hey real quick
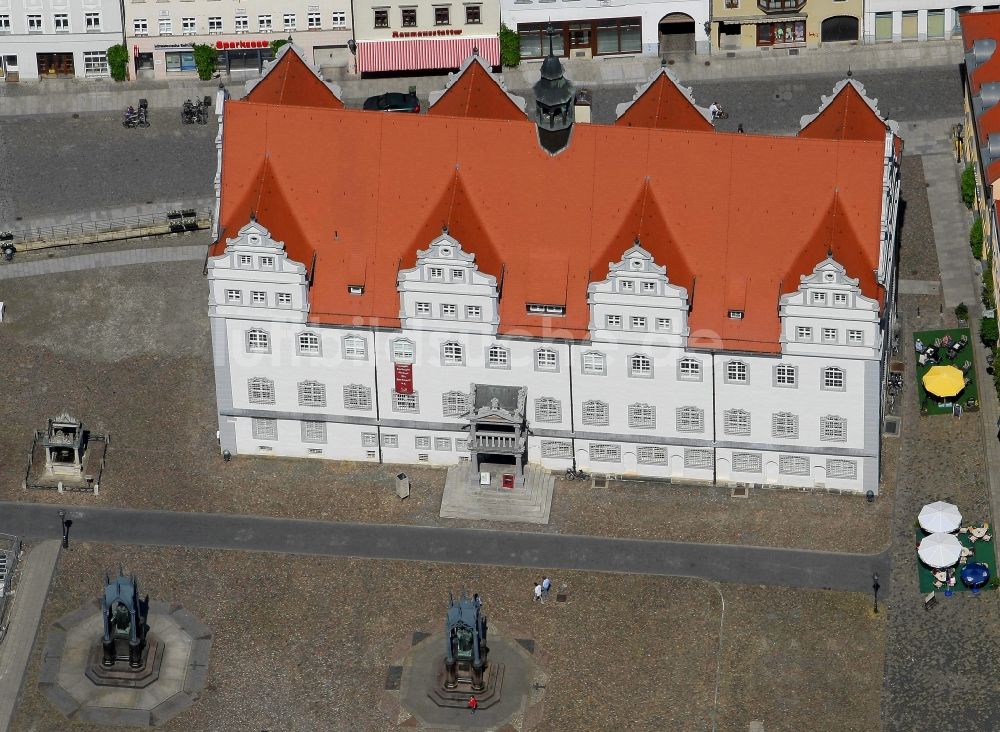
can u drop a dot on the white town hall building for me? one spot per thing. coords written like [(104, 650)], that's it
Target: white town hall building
[(655, 299)]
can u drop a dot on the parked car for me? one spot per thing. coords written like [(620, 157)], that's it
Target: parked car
[(393, 102)]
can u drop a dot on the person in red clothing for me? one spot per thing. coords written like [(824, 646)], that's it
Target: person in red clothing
[(473, 704)]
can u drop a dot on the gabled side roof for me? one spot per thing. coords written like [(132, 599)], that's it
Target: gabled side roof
[(980, 34), (291, 79), (474, 92), (662, 103), (847, 114)]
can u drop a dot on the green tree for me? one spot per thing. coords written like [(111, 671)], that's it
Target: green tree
[(962, 311), (988, 332), (118, 62), (969, 185), (510, 47), (278, 43), (976, 238), (205, 58)]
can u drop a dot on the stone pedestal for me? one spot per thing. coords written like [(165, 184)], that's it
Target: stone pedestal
[(121, 673)]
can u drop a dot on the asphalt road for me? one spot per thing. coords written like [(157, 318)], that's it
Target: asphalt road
[(721, 563)]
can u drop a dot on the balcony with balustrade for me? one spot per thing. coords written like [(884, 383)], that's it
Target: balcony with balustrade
[(777, 7)]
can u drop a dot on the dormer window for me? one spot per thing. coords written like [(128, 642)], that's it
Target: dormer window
[(355, 289), (246, 260), (458, 274), (267, 262), (819, 298), (539, 309), (628, 286), (648, 286), (736, 315), (635, 263), (840, 299), (435, 273)]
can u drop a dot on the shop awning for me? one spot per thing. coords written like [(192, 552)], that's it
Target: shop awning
[(760, 19), (413, 54)]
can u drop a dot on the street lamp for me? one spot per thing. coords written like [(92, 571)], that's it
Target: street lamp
[(65, 528), (875, 588)]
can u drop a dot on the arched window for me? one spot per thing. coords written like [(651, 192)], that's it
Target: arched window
[(355, 347), (785, 375), (402, 350), (258, 341), (736, 372), (641, 416), (546, 360), (594, 363), (357, 396), (690, 419), (736, 422), (498, 357), (640, 365), (595, 413), (548, 409), (833, 428), (308, 343), (689, 369), (312, 394), (454, 403), (833, 378), (784, 424), (452, 354), (261, 390)]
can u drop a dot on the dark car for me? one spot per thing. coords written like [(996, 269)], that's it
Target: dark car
[(393, 102)]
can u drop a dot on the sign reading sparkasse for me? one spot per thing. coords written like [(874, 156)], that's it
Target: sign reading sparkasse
[(223, 45)]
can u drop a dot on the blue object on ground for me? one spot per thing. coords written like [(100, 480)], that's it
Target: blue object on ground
[(975, 575)]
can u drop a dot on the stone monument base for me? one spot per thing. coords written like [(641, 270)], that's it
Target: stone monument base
[(121, 674), (458, 698)]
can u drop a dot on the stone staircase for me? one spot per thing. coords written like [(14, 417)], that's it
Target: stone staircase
[(528, 503)]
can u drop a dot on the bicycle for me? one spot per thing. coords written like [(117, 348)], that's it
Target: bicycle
[(574, 474)]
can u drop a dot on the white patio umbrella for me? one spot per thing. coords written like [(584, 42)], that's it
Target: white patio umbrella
[(939, 516), (940, 550)]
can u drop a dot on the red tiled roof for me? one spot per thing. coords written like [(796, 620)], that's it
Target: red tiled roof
[(364, 191), (663, 106), (979, 26), (847, 117), (289, 81), (475, 93)]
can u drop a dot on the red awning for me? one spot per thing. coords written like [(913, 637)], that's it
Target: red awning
[(423, 53)]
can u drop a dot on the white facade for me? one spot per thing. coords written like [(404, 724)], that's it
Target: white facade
[(657, 20), (912, 20), (57, 38), (631, 400), (161, 33)]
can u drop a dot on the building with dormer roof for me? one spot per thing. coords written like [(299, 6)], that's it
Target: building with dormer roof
[(671, 304)]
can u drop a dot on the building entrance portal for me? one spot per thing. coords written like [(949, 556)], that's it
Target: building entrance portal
[(676, 34), (497, 431)]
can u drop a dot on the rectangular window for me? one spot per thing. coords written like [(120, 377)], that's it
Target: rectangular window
[(548, 409), (422, 443), (234, 297), (747, 462), (261, 391), (95, 64), (313, 21), (461, 446), (258, 298), (405, 402), (498, 357), (246, 260), (436, 273), (784, 425), (819, 298), (390, 440), (473, 15), (308, 344), (5, 24), (803, 333), (241, 24), (935, 24), (452, 354), (833, 378), (34, 23), (698, 459), (736, 315), (357, 396), (663, 324), (736, 422), (641, 416), (546, 360), (442, 443), (473, 312), (381, 18), (556, 449), (267, 262), (423, 457), (604, 452), (188, 27), (458, 274), (651, 455), (793, 465), (423, 309), (688, 369), (264, 429), (180, 61), (355, 348), (736, 372), (339, 19), (284, 299), (369, 439), (60, 22), (690, 419), (264, 26), (613, 321), (855, 337), (165, 28), (829, 335), (842, 469), (140, 27), (314, 432), (833, 429), (288, 21), (449, 311), (648, 286), (402, 351), (840, 299), (454, 403), (312, 394), (785, 375), (593, 363), (596, 413), (409, 18), (92, 22), (627, 286), (215, 24), (442, 16), (638, 323)]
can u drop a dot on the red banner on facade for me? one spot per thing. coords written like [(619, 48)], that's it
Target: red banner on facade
[(404, 378)]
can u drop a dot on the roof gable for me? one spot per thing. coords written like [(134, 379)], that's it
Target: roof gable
[(291, 79), (847, 114), (663, 103), (474, 92)]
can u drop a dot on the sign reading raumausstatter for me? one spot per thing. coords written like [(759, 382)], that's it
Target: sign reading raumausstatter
[(428, 33)]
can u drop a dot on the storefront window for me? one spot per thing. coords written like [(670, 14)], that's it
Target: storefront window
[(631, 31), (607, 36), (774, 34), (144, 61), (935, 24), (535, 41), (180, 61)]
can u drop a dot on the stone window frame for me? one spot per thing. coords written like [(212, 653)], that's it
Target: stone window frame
[(258, 340), (638, 322), (698, 458), (595, 412), (422, 309), (557, 449), (833, 378), (695, 369), (829, 335), (400, 354), (690, 419), (737, 372), (804, 333), (266, 262), (405, 402), (311, 393), (748, 462), (639, 370), (605, 452), (786, 376), (473, 312), (736, 422), (283, 300), (818, 298), (651, 455), (443, 444), (258, 298), (549, 365), (454, 403), (264, 428), (548, 409), (390, 440), (308, 343), (841, 299), (234, 297), (598, 363), (833, 428), (840, 469), (260, 390), (350, 349), (449, 311), (422, 442), (369, 439), (503, 357), (613, 322), (793, 465), (663, 325), (313, 432), (641, 416), (855, 337), (357, 396), (785, 426), (452, 354)]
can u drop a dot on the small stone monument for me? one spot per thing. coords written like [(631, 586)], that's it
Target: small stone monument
[(64, 443), (126, 654), (66, 456)]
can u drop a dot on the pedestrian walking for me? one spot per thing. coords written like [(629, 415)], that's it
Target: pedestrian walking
[(473, 704), (538, 593), (739, 129), (546, 587)]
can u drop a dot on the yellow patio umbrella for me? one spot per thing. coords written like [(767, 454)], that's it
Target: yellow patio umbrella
[(944, 381)]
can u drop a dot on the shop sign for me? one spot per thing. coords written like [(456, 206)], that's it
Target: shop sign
[(162, 46), (427, 33), (404, 378), (224, 45)]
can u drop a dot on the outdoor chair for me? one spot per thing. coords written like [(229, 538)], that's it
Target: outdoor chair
[(964, 339), (966, 367), (946, 341), (967, 381), (937, 342), (987, 537)]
